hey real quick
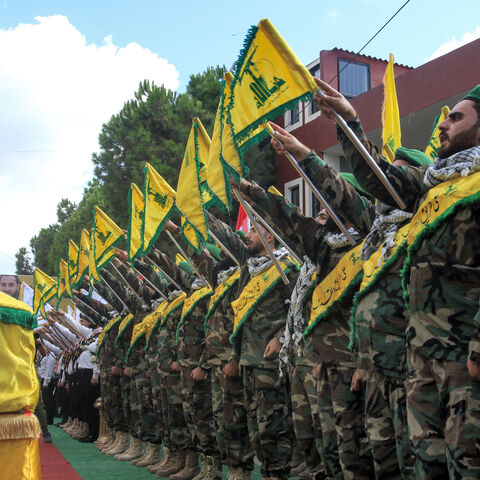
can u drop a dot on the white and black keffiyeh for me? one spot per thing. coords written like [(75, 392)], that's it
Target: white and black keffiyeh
[(257, 265)]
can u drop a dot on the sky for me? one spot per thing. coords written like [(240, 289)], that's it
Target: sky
[(67, 66)]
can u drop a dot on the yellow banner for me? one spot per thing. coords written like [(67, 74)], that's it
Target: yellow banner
[(159, 199), (193, 299), (269, 79), (172, 306), (252, 293), (189, 193), (46, 298), (83, 256), (106, 329), (62, 280), (332, 287), (136, 205), (123, 325), (107, 234), (391, 132), (439, 199), (42, 285), (157, 314), (373, 266), (434, 142), (72, 257), (92, 268), (221, 290)]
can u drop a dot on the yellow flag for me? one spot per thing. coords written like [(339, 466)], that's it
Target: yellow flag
[(72, 257), (391, 132), (159, 199), (268, 80), (51, 295), (134, 239), (189, 192), (272, 189), (202, 151), (190, 234), (92, 268), (106, 235), (42, 285), (179, 258), (62, 280), (83, 256), (434, 143)]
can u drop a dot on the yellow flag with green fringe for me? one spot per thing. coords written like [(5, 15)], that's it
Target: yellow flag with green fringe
[(72, 256), (134, 237), (189, 199), (268, 80), (159, 198), (391, 131), (92, 268), (434, 142), (62, 280), (83, 256), (42, 286), (190, 234), (179, 258), (202, 150), (106, 235)]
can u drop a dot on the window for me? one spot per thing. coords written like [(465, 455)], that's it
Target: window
[(293, 117), (293, 192), (312, 204), (353, 78), (311, 109)]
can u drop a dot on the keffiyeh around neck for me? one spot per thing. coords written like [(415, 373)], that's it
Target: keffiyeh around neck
[(257, 265), (461, 164), (339, 240)]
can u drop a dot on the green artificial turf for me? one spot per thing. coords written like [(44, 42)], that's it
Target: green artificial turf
[(91, 464)]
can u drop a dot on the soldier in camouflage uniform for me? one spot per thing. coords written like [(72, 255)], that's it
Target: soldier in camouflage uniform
[(340, 403), (256, 344), (196, 387), (441, 276)]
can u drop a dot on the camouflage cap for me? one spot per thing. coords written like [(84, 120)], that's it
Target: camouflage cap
[(474, 94), (413, 156), (350, 178)]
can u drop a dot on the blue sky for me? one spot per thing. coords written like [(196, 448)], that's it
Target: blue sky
[(66, 66)]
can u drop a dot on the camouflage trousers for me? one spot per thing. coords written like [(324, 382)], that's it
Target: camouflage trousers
[(230, 420), (159, 403), (179, 436), (127, 413), (148, 428), (348, 420), (386, 423), (443, 408), (269, 417), (197, 409), (306, 420)]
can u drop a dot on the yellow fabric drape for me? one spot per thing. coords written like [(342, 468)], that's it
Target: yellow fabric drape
[(20, 459), (137, 205), (391, 132), (83, 255), (72, 256)]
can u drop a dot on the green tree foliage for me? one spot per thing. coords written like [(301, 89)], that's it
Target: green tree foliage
[(151, 127), (23, 262)]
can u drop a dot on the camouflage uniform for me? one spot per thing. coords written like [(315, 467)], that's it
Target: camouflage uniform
[(196, 395), (327, 342), (443, 287), (380, 328), (228, 403), (267, 396)]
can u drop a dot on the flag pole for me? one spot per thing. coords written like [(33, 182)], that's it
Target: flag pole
[(368, 158), (261, 235), (223, 247), (140, 299), (187, 258), (151, 284), (314, 189), (88, 306), (165, 274), (113, 291), (274, 233)]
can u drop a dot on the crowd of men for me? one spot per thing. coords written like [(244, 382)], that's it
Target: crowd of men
[(362, 358)]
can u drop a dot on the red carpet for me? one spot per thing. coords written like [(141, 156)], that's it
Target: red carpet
[(54, 465)]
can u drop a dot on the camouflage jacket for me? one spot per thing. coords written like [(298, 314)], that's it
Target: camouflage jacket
[(444, 280), (191, 333), (101, 310), (329, 340), (107, 294), (270, 313), (380, 317)]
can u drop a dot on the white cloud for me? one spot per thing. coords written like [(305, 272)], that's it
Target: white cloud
[(453, 44), (55, 92)]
